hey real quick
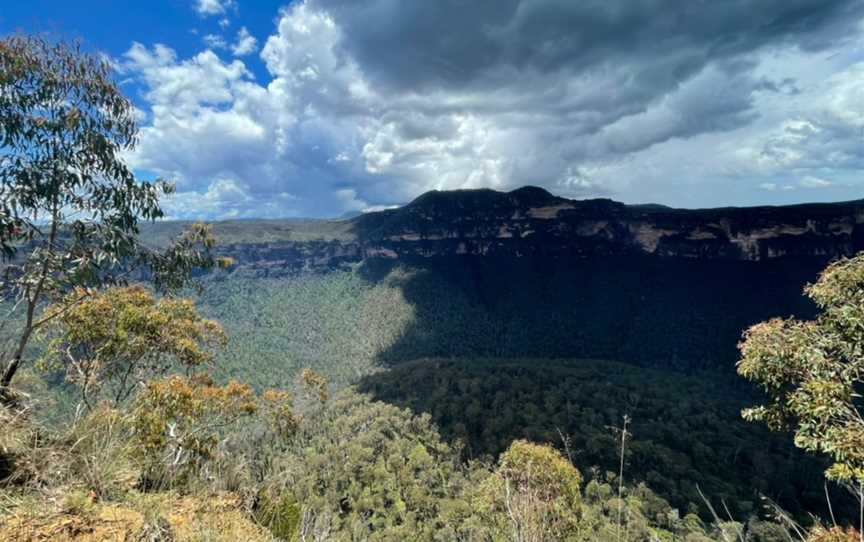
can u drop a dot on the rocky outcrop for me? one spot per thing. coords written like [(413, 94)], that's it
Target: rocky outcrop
[(532, 222)]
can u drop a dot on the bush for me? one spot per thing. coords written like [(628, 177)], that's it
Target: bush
[(533, 495), (178, 422)]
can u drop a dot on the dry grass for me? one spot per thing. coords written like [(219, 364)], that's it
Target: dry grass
[(215, 518), (80, 485)]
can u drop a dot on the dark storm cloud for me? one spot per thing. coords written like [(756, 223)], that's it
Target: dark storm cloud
[(465, 43)]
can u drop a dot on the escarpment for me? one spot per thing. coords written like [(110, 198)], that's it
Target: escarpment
[(532, 222)]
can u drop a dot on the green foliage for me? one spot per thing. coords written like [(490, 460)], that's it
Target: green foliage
[(63, 124), (686, 430), (337, 324), (813, 371), (357, 469), (540, 469), (116, 340), (763, 531), (276, 408), (533, 495), (365, 470), (279, 512)]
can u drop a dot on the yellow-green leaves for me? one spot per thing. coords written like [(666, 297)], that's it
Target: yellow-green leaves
[(542, 469), (110, 342), (533, 495), (276, 407), (177, 422), (813, 371), (836, 534)]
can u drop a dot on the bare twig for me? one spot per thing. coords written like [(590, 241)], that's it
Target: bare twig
[(624, 434), (828, 500)]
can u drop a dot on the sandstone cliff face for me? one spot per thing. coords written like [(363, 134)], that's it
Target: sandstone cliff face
[(531, 222)]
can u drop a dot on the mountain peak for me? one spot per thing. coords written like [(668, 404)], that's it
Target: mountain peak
[(533, 195), (443, 203)]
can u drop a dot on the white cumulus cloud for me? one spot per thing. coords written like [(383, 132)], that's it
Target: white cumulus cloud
[(214, 41), (213, 7), (245, 44)]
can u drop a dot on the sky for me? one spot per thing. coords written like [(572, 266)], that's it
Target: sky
[(318, 108)]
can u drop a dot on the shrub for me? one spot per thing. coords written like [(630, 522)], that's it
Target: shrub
[(533, 495), (836, 534), (177, 423)]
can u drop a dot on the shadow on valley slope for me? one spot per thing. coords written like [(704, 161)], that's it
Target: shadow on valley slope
[(659, 312)]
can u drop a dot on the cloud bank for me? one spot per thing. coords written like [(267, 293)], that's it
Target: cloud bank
[(372, 102)]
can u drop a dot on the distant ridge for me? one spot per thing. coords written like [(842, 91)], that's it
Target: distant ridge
[(530, 221)]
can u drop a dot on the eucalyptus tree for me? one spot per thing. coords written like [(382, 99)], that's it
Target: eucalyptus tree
[(70, 206), (112, 343), (813, 374)]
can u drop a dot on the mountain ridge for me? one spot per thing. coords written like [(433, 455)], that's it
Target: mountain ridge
[(530, 221)]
